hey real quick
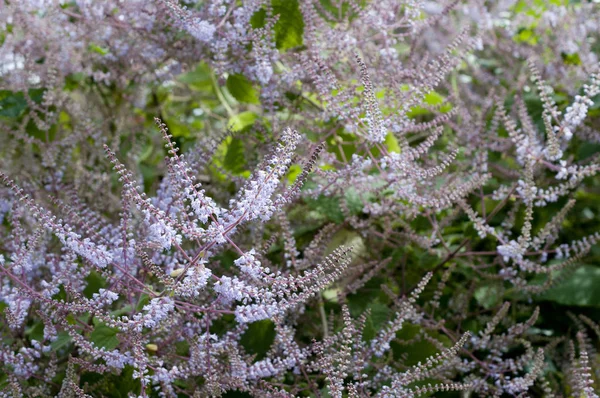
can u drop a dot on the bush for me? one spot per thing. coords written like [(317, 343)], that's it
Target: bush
[(345, 198)]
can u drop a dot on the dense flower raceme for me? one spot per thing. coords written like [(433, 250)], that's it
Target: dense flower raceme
[(375, 198)]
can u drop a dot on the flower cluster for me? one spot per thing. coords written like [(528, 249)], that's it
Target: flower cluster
[(377, 198)]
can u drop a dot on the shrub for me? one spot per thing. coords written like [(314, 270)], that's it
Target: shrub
[(389, 198)]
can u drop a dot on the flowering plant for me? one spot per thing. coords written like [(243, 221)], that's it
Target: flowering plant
[(341, 198)]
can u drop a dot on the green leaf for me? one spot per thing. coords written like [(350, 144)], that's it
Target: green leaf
[(258, 19), (199, 79), (144, 299), (347, 238), (580, 289), (355, 200), (327, 207), (416, 351), (368, 296), (289, 28), (488, 296), (571, 59), (74, 80), (293, 173), (391, 143), (111, 385), (182, 347), (526, 35), (36, 332), (241, 121), (62, 340), (12, 104), (587, 150), (376, 320), (258, 338), (95, 282), (105, 336), (146, 153), (97, 49), (234, 157), (432, 99), (176, 128), (61, 295), (241, 89)]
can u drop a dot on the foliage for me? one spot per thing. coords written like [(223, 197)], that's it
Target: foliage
[(325, 198)]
